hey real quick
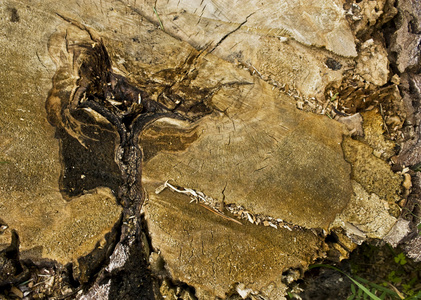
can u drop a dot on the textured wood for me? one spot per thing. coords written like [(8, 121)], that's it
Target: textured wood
[(231, 133)]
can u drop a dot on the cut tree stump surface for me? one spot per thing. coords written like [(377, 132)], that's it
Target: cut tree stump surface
[(217, 132)]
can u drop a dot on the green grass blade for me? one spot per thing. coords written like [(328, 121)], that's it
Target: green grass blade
[(414, 297), (362, 287), (359, 285), (377, 287), (159, 19)]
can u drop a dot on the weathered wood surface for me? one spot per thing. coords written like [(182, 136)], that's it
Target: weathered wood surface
[(404, 43), (317, 23), (232, 136), (33, 168), (267, 37), (190, 236), (257, 151)]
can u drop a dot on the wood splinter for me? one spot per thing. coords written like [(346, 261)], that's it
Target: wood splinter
[(196, 197)]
